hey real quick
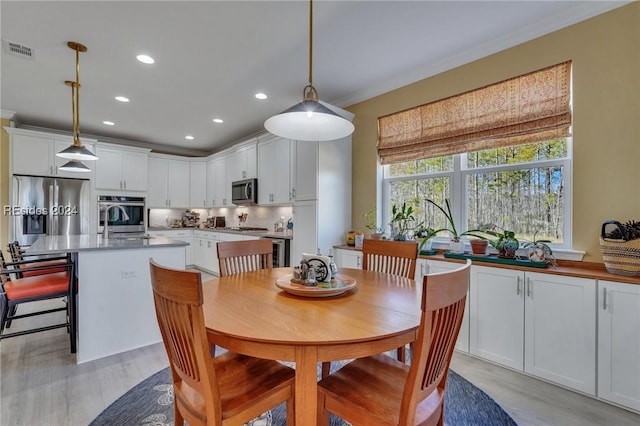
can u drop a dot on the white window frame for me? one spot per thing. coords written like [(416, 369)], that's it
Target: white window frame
[(458, 178)]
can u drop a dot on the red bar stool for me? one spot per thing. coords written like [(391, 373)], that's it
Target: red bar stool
[(54, 281)]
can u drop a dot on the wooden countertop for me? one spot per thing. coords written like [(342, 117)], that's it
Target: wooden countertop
[(590, 270)]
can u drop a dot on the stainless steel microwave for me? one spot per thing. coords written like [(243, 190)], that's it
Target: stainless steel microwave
[(244, 192)]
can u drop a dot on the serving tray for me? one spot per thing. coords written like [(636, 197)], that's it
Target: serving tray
[(495, 259), (338, 285)]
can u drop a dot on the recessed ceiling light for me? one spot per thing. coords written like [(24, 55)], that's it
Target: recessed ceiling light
[(261, 96), (108, 123), (145, 59), (122, 99), (218, 120), (189, 137)]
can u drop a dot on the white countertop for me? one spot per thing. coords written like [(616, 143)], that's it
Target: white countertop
[(87, 242), (263, 234)]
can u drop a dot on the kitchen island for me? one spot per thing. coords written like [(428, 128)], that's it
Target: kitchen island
[(115, 301)]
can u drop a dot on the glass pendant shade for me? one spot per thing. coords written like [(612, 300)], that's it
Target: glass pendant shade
[(309, 121), (77, 152), (74, 166)]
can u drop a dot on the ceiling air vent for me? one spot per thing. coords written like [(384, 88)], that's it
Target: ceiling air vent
[(17, 49)]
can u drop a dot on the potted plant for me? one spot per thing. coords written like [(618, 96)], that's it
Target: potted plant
[(538, 250), (503, 240), (456, 245), (372, 224), (402, 221), (424, 234)]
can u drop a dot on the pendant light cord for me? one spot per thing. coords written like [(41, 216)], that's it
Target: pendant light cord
[(310, 42)]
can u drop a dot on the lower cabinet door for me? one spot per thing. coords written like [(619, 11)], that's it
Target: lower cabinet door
[(496, 311), (560, 330), (619, 343)]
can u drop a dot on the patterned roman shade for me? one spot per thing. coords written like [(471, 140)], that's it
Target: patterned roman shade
[(530, 108)]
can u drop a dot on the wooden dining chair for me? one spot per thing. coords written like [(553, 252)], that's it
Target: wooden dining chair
[(31, 281), (379, 390), (391, 257), (230, 389), (235, 257)]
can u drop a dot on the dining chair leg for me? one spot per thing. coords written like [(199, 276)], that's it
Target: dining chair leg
[(323, 415), (402, 354), (178, 420), (326, 368), (291, 412)]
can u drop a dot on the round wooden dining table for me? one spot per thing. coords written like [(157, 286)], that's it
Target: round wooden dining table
[(247, 313)]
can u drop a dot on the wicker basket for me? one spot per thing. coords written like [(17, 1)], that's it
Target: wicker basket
[(620, 257)]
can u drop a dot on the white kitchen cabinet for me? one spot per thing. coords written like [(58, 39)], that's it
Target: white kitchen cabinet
[(304, 170), (34, 153), (347, 258), (242, 161), (185, 235), (274, 171), (211, 182), (305, 231), (121, 168), (560, 330), (198, 184), (168, 182), (221, 182), (322, 206), (497, 315), (205, 251), (541, 324), (619, 343)]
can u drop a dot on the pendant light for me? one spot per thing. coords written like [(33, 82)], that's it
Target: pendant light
[(76, 152), (309, 120)]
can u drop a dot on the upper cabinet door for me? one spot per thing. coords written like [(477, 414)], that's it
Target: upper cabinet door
[(108, 169), (274, 171), (34, 153), (31, 155), (198, 184), (157, 186), (178, 183), (134, 171), (304, 177)]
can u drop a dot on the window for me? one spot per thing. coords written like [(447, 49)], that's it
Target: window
[(501, 154), (523, 188)]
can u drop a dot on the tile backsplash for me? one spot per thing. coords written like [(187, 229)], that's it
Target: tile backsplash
[(257, 216)]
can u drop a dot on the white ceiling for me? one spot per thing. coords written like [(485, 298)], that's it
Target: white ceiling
[(213, 56)]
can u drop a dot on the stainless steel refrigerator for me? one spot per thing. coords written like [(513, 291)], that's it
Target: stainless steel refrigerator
[(48, 206)]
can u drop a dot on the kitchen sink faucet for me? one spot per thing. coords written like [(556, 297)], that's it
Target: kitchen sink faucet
[(105, 229)]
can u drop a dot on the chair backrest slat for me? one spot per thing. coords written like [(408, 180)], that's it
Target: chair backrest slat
[(443, 301), (235, 257), (392, 257)]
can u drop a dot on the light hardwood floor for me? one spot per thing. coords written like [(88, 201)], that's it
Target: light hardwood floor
[(42, 385)]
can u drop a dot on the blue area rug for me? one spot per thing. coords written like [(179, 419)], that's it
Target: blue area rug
[(150, 403)]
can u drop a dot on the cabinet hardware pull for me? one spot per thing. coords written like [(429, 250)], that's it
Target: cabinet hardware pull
[(518, 286), (604, 298), (528, 287), (125, 184), (358, 259)]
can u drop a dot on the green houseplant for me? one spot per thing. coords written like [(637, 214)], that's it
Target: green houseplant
[(372, 224), (503, 240), (402, 221), (456, 245)]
